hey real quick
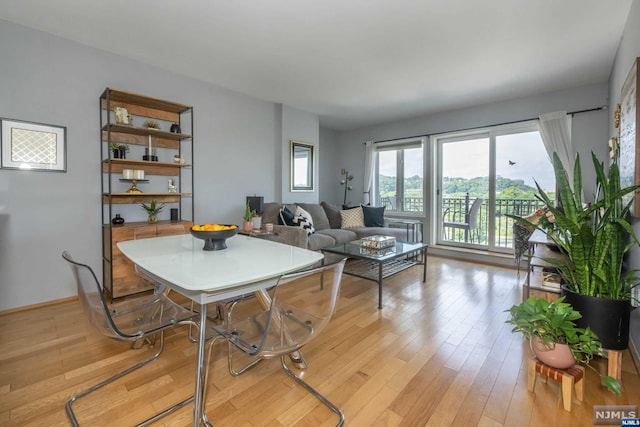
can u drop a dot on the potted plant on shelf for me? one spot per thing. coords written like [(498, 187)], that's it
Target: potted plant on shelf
[(152, 210), (247, 224), (123, 148), (119, 150), (595, 237), (554, 337), (115, 149), (151, 124)]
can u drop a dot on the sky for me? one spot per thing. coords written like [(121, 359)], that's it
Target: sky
[(520, 156)]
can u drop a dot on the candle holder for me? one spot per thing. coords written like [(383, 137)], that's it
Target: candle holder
[(150, 153)]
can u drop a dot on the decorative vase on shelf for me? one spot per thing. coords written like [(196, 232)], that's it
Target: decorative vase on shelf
[(175, 128), (247, 226), (117, 220), (153, 218)]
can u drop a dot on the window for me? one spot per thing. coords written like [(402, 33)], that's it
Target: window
[(484, 175), (399, 178)]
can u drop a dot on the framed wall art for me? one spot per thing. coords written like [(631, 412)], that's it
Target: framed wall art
[(301, 166), (629, 136), (32, 146)]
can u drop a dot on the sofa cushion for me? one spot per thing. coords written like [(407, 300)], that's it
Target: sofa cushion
[(333, 214), (352, 218), (398, 233), (319, 216), (301, 212), (317, 241), (339, 235), (286, 217), (305, 224), (271, 213), (373, 217), (292, 220)]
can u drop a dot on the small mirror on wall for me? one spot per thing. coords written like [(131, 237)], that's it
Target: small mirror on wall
[(301, 166)]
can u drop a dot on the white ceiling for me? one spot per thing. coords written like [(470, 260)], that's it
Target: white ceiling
[(353, 62)]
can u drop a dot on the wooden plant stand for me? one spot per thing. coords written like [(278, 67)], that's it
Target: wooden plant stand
[(569, 378)]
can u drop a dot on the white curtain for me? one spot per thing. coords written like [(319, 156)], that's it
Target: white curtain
[(555, 130), (369, 168)]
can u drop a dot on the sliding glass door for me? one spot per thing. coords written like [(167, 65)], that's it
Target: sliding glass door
[(464, 190), (484, 176)]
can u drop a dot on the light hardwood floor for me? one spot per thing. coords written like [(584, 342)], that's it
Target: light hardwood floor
[(438, 353)]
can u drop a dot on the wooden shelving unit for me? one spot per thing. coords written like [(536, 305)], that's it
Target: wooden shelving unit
[(540, 255), (119, 276)]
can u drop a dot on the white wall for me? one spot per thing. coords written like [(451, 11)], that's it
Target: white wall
[(238, 148)]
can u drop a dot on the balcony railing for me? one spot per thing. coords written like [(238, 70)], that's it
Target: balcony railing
[(456, 209)]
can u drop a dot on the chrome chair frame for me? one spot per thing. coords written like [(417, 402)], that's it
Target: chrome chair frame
[(118, 334), (274, 315)]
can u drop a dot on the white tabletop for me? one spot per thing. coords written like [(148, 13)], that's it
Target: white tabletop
[(206, 276)]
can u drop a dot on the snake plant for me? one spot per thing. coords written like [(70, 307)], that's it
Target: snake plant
[(595, 237)]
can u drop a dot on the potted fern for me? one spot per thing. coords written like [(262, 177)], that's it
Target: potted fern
[(554, 337), (595, 238)]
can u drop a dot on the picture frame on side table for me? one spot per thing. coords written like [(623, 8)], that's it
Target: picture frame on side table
[(629, 136), (33, 146)]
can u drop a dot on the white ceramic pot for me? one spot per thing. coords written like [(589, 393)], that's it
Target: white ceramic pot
[(257, 222)]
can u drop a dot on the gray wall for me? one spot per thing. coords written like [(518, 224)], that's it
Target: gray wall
[(330, 165), (238, 151), (589, 130), (628, 51), (300, 126)]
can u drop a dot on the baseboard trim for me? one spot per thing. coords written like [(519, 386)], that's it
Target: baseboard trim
[(39, 305), (483, 257)]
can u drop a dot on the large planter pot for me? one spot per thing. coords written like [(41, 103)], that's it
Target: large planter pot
[(608, 318), (552, 354)]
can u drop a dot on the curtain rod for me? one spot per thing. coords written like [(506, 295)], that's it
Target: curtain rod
[(602, 107)]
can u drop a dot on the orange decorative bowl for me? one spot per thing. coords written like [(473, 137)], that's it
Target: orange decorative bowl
[(215, 240)]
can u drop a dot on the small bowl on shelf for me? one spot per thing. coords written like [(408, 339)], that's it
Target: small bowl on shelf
[(214, 235)]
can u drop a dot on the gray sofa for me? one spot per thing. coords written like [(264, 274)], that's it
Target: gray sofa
[(327, 222)]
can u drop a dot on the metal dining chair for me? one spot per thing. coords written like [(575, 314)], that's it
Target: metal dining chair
[(297, 309), (131, 320)]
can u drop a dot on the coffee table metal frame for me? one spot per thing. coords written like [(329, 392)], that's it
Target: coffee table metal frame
[(379, 265)]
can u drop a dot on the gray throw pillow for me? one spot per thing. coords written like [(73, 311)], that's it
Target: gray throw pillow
[(333, 214)]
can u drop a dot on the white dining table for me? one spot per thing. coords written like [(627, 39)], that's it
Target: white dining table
[(248, 264)]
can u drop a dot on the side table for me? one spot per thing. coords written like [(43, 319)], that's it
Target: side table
[(414, 228)]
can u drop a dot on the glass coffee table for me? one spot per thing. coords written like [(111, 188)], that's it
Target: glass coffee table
[(379, 264)]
